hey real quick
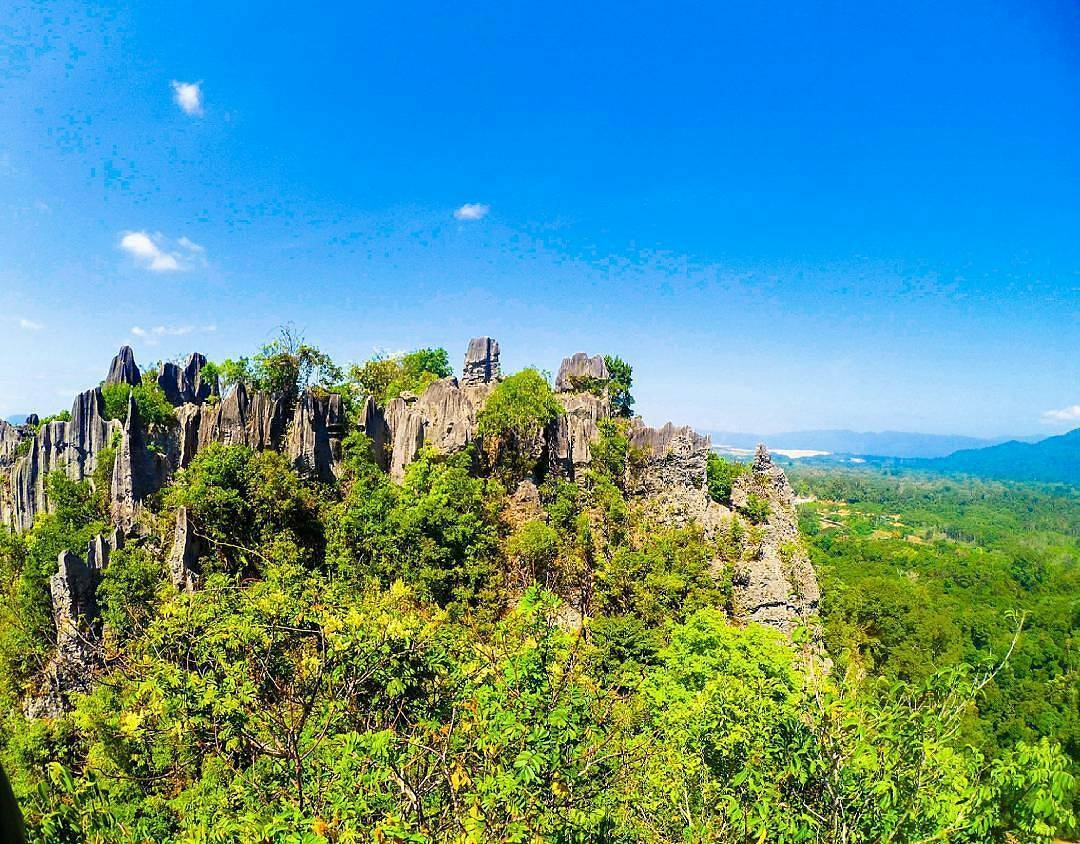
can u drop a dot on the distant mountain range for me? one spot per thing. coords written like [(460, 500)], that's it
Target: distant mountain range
[(1052, 460), (861, 443)]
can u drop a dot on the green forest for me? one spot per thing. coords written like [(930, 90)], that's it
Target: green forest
[(367, 660)]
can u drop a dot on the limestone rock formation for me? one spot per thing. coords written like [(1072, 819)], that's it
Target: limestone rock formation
[(75, 612), (481, 362), (777, 586), (256, 420), (184, 569), (571, 435), (315, 435), (579, 369), (444, 417), (72, 447), (101, 547), (124, 369), (137, 472), (10, 439), (183, 385), (671, 475)]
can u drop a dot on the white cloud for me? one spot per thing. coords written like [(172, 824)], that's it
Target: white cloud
[(188, 95), (155, 253), (472, 211), (153, 335), (1066, 414), (29, 324)]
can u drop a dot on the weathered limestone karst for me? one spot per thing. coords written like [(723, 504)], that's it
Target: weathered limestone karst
[(254, 419), (670, 472), (71, 447), (579, 369), (315, 435), (481, 362), (570, 437), (10, 438), (777, 586), (73, 590), (184, 385), (184, 568), (101, 547), (137, 472), (443, 417), (124, 369)]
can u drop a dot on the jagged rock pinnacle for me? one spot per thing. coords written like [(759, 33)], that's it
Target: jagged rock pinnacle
[(124, 369), (481, 362)]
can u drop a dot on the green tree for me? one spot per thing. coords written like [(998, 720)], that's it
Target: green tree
[(621, 376), (154, 408), (387, 377), (721, 474), (512, 421)]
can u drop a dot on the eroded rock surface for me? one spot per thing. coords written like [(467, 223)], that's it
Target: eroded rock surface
[(777, 586), (124, 369), (137, 472), (75, 612), (184, 385), (580, 369), (184, 568), (481, 362), (71, 447), (316, 434)]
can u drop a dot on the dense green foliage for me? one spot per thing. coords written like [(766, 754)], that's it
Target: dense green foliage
[(921, 573), (512, 420), (154, 408), (285, 366), (621, 376), (438, 660), (26, 564), (387, 377), (721, 474)]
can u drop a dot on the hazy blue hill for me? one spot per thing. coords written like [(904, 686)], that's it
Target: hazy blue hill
[(876, 443), (1053, 460)]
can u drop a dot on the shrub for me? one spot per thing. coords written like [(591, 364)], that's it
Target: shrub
[(386, 378), (621, 380), (285, 366), (512, 420), (535, 549), (154, 408), (127, 590), (757, 509), (721, 475)]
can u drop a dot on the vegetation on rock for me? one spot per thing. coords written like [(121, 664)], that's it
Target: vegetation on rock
[(493, 649)]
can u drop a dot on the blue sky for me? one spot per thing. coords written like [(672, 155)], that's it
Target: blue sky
[(859, 215)]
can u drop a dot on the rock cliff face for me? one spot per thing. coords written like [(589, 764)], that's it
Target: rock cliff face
[(777, 586), (71, 447), (137, 472), (481, 362), (315, 435), (123, 369), (74, 600), (184, 385), (444, 417), (773, 585), (184, 569), (11, 437), (579, 369)]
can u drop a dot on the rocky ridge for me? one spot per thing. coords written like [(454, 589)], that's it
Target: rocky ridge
[(776, 587)]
